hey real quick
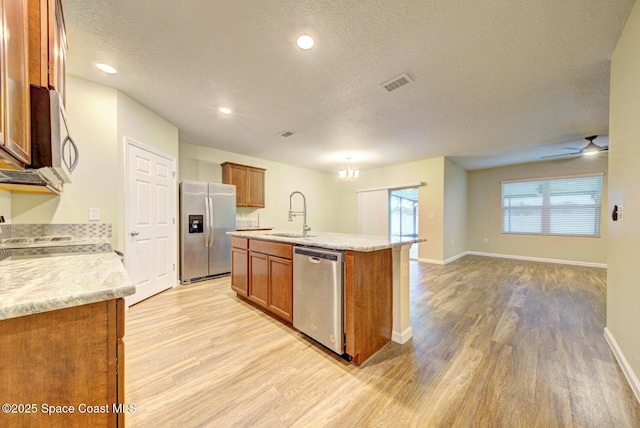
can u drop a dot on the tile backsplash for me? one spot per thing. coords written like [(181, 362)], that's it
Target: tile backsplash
[(80, 233)]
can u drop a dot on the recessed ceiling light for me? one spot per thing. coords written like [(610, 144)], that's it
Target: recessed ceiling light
[(225, 110), (305, 41), (106, 68)]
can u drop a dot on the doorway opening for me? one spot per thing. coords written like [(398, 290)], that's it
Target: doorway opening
[(403, 215)]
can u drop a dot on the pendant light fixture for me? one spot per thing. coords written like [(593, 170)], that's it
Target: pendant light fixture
[(349, 173)]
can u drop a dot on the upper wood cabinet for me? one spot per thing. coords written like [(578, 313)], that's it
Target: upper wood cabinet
[(47, 45), (249, 182), (15, 143)]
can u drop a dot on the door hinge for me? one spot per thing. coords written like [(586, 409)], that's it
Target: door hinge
[(174, 266), (174, 220)]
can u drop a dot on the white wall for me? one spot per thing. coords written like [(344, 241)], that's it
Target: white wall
[(455, 210), (485, 217), (623, 250), (320, 189), (5, 205)]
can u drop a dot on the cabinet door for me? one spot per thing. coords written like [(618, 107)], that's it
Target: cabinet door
[(259, 279), (15, 79), (240, 178), (281, 288), (256, 188), (57, 49), (239, 271)]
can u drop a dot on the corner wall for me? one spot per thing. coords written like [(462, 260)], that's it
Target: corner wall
[(623, 273), (485, 214)]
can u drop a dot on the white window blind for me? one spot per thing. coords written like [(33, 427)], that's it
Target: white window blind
[(555, 206)]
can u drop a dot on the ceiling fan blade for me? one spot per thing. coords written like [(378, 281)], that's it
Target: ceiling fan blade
[(572, 148), (561, 155)]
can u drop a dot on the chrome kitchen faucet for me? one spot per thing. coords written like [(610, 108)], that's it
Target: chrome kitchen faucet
[(292, 213)]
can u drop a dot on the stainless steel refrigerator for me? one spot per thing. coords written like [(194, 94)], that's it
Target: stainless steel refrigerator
[(207, 213)]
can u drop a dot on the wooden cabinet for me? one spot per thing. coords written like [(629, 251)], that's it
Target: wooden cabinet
[(281, 288), (368, 302), (66, 357), (240, 266), (270, 275), (249, 182), (15, 143), (259, 279), (47, 45)]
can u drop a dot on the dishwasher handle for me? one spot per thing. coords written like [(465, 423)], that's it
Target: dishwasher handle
[(314, 259)]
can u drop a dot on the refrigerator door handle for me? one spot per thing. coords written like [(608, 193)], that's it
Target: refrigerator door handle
[(210, 221), (207, 225)]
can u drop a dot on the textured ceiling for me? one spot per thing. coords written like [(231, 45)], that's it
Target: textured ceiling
[(495, 81)]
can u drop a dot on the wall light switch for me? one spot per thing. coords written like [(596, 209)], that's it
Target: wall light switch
[(94, 214), (620, 212)]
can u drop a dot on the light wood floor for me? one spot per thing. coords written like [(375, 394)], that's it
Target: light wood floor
[(497, 343)]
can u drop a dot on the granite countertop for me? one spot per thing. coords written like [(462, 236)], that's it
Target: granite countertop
[(331, 240), (34, 284)]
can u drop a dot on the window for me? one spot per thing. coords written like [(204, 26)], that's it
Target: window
[(555, 206)]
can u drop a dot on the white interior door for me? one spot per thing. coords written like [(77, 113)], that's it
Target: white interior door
[(150, 217)]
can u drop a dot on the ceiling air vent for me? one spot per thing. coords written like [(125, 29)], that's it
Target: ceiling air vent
[(396, 82), (286, 134)]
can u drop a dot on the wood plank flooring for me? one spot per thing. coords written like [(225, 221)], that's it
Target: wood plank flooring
[(496, 343)]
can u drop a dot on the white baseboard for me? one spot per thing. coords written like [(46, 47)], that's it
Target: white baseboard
[(539, 259), (443, 262), (402, 337), (624, 364), (432, 261)]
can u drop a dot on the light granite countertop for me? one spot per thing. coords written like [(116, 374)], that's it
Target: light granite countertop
[(331, 240), (34, 284)]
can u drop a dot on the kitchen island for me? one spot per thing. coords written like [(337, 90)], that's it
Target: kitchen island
[(376, 282), (61, 329)]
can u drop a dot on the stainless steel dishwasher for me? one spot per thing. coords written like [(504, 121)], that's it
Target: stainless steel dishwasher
[(318, 295)]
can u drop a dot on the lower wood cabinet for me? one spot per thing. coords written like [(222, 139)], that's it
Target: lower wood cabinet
[(240, 271), (259, 279), (268, 281), (67, 361), (281, 287)]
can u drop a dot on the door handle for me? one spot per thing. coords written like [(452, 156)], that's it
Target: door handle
[(314, 259), (134, 233)]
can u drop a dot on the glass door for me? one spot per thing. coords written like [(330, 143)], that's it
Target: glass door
[(403, 215)]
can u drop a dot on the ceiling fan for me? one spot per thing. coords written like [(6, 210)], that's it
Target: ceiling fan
[(589, 150)]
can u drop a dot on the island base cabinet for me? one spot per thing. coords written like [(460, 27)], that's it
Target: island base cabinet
[(281, 288), (368, 302), (259, 279), (268, 269), (67, 362)]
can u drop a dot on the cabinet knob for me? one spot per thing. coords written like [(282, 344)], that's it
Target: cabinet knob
[(134, 233)]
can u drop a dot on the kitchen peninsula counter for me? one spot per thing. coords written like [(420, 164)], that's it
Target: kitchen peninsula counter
[(376, 282), (62, 329), (332, 240), (35, 284)]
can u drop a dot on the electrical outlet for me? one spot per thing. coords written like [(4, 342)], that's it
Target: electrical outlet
[(485, 240), (94, 214), (620, 212)]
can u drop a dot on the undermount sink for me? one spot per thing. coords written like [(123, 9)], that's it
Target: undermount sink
[(289, 235)]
